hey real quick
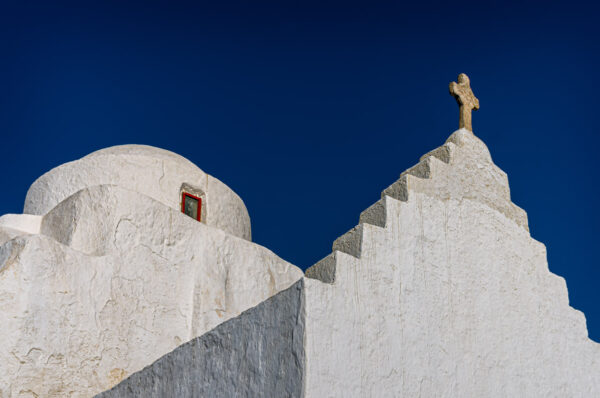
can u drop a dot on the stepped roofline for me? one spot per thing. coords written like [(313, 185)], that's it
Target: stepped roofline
[(461, 169)]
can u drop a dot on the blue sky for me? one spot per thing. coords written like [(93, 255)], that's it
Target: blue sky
[(308, 110)]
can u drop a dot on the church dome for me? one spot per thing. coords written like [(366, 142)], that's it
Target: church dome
[(160, 174)]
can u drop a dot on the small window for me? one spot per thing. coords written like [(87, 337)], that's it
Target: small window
[(191, 205)]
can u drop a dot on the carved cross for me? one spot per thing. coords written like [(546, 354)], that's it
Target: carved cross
[(466, 100)]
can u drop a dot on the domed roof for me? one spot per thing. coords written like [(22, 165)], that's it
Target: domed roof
[(154, 172), (140, 150)]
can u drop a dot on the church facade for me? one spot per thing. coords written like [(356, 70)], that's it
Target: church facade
[(132, 274)]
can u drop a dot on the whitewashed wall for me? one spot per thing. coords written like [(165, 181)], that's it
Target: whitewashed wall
[(441, 292), (111, 279)]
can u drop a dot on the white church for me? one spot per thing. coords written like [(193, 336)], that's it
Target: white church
[(131, 273)]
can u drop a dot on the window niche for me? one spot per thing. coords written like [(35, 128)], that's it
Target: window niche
[(193, 202)]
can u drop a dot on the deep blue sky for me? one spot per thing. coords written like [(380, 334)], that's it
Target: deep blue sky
[(308, 110)]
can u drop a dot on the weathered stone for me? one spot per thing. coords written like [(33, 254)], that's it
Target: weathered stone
[(257, 354), (466, 100)]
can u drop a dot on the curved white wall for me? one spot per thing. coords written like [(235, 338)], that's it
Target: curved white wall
[(153, 172)]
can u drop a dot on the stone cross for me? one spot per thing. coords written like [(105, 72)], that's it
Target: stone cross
[(466, 100)]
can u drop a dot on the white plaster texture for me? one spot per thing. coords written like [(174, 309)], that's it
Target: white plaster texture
[(259, 353), (13, 225), (441, 292), (154, 172), (115, 280)]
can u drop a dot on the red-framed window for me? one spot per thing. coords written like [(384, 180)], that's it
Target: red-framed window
[(191, 205)]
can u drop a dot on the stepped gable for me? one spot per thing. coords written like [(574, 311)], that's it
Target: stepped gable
[(460, 169), (441, 291), (160, 174)]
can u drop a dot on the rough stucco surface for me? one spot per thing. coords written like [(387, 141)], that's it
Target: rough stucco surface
[(258, 354), (115, 280), (14, 225), (154, 172), (441, 292)]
